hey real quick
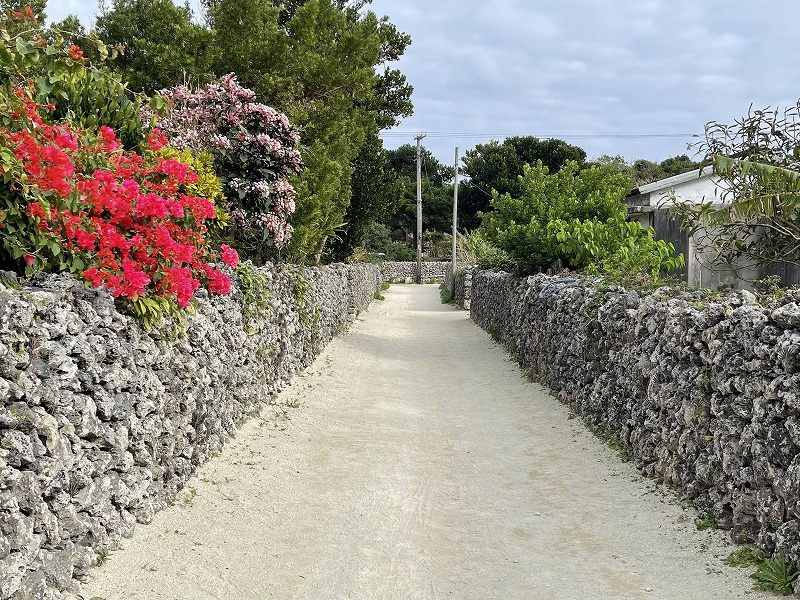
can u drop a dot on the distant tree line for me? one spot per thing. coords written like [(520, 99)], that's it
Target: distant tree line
[(488, 169)]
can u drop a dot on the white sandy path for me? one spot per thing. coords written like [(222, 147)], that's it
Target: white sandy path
[(420, 465)]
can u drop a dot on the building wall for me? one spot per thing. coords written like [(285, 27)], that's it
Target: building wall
[(651, 209)]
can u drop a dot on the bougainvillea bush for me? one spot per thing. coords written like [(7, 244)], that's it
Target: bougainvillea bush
[(73, 199), (255, 152)]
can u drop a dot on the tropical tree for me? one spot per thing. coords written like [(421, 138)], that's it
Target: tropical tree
[(498, 166), (642, 171), (324, 63), (675, 165), (576, 217), (376, 192), (161, 46)]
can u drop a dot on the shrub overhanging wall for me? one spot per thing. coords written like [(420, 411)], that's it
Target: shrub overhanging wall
[(705, 395), (101, 423)]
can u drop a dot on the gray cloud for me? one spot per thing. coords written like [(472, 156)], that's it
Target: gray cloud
[(582, 67), (579, 67)]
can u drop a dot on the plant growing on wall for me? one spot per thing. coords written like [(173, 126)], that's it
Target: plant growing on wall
[(474, 248)]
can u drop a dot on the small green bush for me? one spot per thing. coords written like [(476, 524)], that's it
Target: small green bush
[(576, 217), (445, 295)]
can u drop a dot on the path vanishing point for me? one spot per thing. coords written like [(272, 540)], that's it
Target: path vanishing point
[(414, 461)]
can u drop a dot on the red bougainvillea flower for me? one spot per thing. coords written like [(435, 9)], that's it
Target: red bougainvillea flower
[(126, 217), (109, 138), (218, 282), (156, 139), (229, 256)]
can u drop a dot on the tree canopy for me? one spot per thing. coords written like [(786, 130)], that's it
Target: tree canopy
[(376, 193), (576, 217), (498, 166), (642, 171), (161, 45)]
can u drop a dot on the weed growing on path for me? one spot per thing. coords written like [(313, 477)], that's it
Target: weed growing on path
[(745, 557), (613, 441), (103, 556), (189, 499), (708, 523), (776, 574)]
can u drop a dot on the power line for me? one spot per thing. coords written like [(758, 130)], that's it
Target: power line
[(575, 136)]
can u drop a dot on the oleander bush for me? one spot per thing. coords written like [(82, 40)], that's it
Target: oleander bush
[(254, 148)]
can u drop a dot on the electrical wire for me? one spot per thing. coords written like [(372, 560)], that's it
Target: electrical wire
[(576, 136)]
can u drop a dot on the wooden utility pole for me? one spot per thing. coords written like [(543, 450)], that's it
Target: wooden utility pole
[(455, 227), (419, 209)]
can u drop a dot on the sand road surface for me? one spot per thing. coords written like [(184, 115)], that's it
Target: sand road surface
[(414, 461)]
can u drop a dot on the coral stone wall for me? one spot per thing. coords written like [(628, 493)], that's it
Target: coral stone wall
[(406, 271), (705, 394), (462, 292), (101, 422)]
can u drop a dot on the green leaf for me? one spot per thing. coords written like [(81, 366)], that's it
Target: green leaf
[(6, 57), (102, 50), (43, 85), (24, 47)]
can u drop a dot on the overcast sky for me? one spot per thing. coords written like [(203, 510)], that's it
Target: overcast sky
[(592, 73)]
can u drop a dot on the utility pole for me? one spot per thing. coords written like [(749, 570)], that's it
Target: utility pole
[(419, 209), (455, 226)]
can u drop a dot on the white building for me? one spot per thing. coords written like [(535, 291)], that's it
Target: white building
[(649, 205)]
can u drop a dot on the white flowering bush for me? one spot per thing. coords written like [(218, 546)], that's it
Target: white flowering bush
[(255, 151)]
